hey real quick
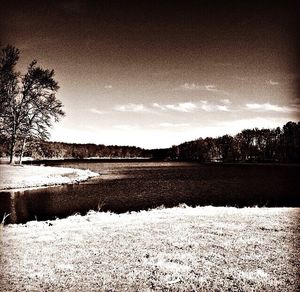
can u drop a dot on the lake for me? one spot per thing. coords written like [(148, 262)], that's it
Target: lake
[(137, 185)]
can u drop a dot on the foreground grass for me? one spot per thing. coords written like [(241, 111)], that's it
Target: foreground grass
[(28, 176), (178, 249)]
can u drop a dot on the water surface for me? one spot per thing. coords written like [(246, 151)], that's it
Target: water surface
[(135, 185)]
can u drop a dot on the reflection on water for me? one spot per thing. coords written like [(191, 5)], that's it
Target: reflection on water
[(132, 186)]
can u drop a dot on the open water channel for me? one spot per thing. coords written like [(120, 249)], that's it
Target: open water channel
[(138, 185)]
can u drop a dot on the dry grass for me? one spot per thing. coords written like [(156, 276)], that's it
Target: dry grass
[(178, 249)]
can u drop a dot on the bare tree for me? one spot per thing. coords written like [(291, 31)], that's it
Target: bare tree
[(8, 78), (30, 105), (9, 90)]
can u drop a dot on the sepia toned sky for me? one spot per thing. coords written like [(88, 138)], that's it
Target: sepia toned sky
[(158, 73)]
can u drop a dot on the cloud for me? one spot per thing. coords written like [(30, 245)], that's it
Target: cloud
[(269, 107), (225, 101), (191, 107), (205, 106), (191, 86), (96, 111), (222, 108), (195, 86), (182, 107), (208, 87), (172, 125), (131, 107), (211, 87), (214, 88), (157, 105), (273, 83), (108, 86)]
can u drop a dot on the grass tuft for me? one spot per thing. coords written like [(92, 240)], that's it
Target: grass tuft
[(4, 218)]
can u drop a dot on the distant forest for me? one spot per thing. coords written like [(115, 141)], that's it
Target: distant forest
[(250, 145)]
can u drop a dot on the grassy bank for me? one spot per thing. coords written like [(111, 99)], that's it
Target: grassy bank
[(178, 249), (27, 176)]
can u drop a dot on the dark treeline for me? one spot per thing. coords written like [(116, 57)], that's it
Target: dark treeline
[(255, 145), (60, 150)]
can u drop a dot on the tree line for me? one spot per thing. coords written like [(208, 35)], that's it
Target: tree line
[(250, 145), (38, 149)]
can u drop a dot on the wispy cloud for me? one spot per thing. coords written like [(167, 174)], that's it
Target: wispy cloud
[(225, 101), (184, 107), (211, 87), (96, 111), (269, 107), (190, 86), (273, 83), (206, 87), (196, 86), (157, 105), (208, 107), (131, 107), (173, 125), (180, 107), (192, 107), (205, 106)]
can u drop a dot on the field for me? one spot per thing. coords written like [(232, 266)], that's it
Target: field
[(177, 249)]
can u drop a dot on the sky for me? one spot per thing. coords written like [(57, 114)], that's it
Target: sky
[(158, 73)]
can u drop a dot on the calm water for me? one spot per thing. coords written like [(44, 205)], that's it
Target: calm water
[(132, 186)]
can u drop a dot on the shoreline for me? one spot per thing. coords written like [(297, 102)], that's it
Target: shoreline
[(28, 177)]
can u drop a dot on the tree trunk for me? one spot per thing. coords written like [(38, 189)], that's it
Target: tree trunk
[(22, 151), (12, 151)]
